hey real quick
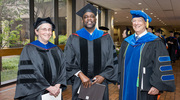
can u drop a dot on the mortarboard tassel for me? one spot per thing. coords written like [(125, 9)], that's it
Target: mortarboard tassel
[(147, 23), (128, 32), (54, 35)]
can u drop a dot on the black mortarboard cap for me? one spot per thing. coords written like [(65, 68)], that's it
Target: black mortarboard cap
[(151, 27), (159, 31), (40, 21), (103, 28), (171, 31), (176, 33), (88, 8)]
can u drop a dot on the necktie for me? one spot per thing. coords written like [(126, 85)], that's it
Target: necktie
[(137, 37)]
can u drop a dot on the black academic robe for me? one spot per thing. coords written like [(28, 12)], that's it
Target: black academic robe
[(172, 48), (95, 57), (152, 69), (38, 69)]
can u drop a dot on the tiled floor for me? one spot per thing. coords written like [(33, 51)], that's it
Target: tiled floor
[(7, 93)]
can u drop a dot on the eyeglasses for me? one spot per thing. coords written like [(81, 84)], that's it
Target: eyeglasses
[(45, 29), (137, 21)]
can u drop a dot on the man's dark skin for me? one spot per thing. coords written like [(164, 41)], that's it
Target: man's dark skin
[(89, 22)]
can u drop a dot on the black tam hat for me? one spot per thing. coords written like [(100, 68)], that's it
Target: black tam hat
[(88, 8), (40, 21), (103, 28)]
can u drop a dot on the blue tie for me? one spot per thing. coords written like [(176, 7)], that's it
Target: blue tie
[(137, 37)]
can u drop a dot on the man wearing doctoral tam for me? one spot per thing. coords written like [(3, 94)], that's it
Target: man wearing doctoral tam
[(90, 55), (144, 63)]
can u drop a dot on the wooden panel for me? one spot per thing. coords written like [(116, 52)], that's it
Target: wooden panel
[(61, 46), (8, 52), (17, 51)]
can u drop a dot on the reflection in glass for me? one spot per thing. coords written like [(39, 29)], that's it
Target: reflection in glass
[(62, 22), (9, 68), (14, 23)]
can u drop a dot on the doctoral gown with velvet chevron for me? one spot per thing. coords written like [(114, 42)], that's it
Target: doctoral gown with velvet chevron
[(40, 66), (92, 54), (143, 64)]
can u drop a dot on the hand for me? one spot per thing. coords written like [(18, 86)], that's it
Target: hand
[(58, 85), (98, 79), (85, 80), (53, 90), (153, 91), (118, 86)]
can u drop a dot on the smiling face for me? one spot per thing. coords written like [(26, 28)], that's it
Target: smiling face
[(44, 32), (89, 20), (139, 25)]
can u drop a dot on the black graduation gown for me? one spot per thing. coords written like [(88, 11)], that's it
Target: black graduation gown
[(150, 56), (37, 70), (172, 48), (96, 57)]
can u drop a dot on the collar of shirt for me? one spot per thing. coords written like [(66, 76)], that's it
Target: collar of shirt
[(142, 34)]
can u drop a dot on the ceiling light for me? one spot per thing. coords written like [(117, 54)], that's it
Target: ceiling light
[(139, 3), (151, 13), (154, 16), (146, 9), (127, 17), (115, 12)]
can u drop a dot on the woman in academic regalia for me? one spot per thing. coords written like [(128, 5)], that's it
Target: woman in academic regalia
[(42, 66)]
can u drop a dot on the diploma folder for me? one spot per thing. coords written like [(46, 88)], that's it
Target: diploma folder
[(95, 92)]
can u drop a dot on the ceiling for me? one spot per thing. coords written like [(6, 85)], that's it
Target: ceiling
[(164, 13)]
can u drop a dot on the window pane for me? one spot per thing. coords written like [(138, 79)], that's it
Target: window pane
[(9, 68), (62, 22), (43, 8), (14, 23)]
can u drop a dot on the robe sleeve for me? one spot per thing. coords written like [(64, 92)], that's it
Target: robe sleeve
[(121, 60), (162, 77), (110, 72), (30, 79), (61, 77), (71, 60)]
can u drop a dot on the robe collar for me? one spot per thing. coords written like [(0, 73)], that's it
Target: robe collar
[(145, 38), (142, 34), (48, 46), (85, 34)]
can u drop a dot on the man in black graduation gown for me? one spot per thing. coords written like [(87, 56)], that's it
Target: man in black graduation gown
[(144, 64), (90, 55), (172, 46), (159, 34)]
